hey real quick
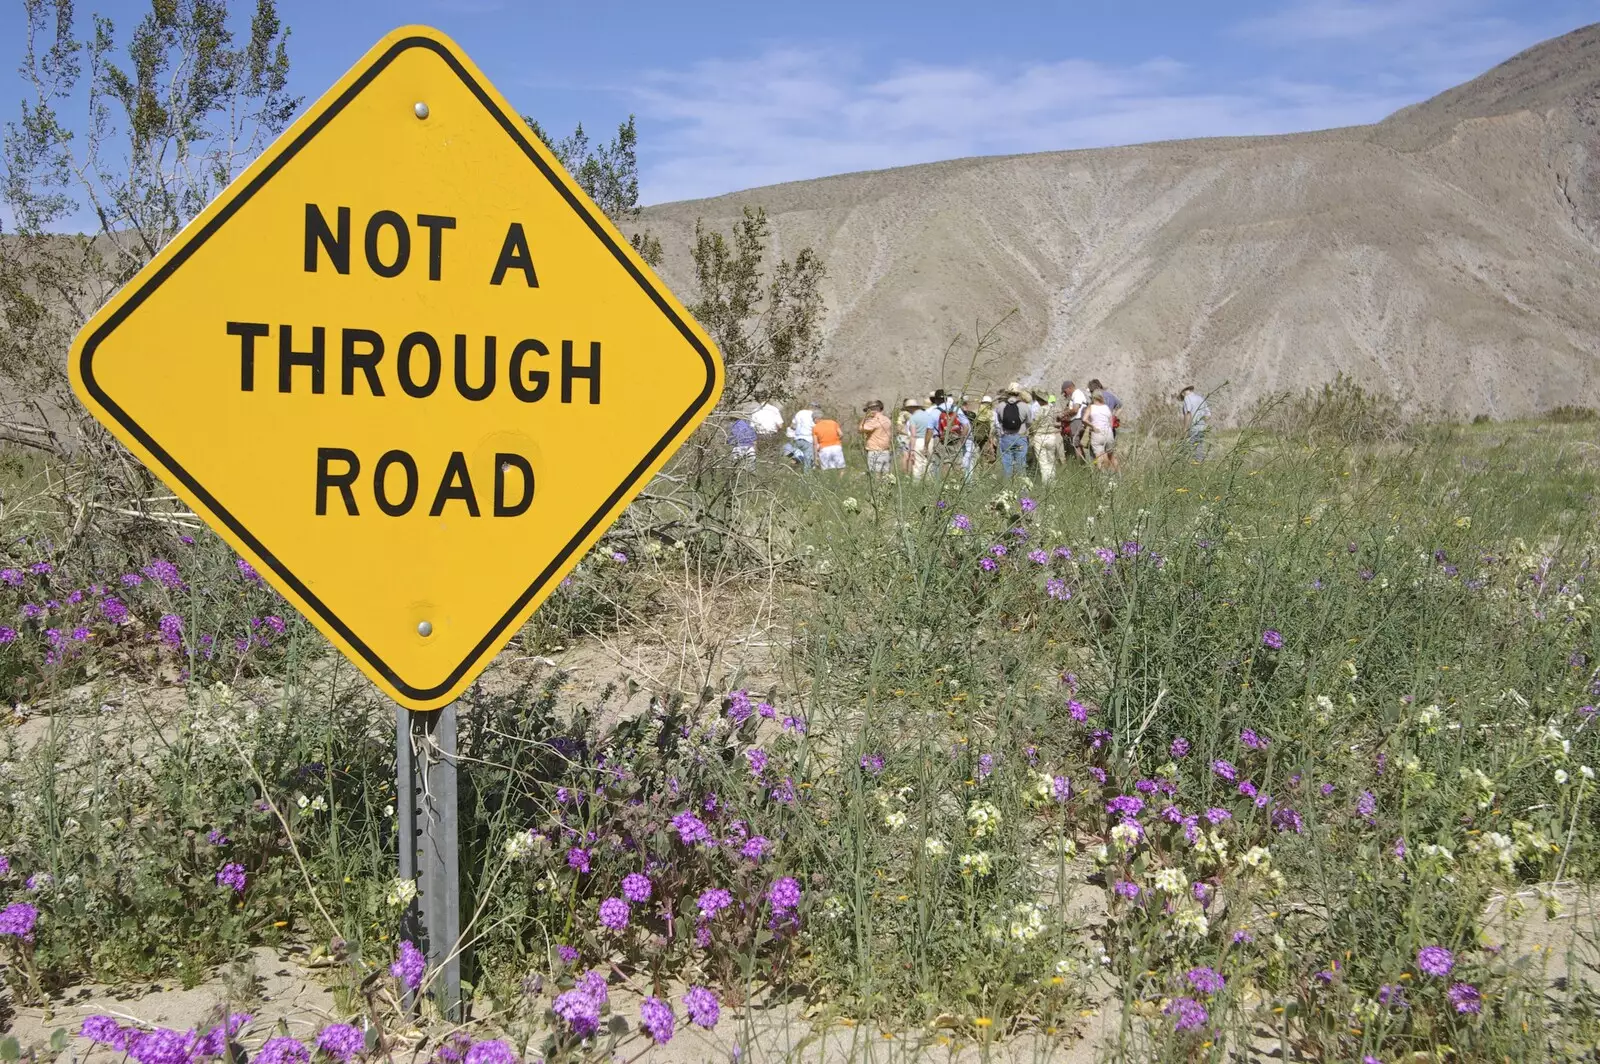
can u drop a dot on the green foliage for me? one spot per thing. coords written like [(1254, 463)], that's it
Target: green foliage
[(610, 175), (1342, 411), (768, 328)]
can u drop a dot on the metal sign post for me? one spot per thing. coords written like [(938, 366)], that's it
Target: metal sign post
[(425, 762)]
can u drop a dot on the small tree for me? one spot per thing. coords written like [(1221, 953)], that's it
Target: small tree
[(609, 174), (162, 131), (769, 332)]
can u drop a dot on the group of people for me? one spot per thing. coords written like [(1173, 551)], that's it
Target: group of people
[(949, 432)]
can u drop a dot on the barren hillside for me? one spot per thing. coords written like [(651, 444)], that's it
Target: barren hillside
[(1448, 253)]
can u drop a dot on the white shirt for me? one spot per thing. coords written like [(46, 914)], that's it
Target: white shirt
[(800, 428), (767, 419), (1099, 418), (1078, 399)]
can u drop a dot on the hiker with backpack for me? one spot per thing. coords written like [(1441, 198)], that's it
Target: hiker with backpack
[(947, 445), (1011, 417), (924, 426)]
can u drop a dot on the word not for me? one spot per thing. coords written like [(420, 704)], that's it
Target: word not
[(417, 366), (333, 241), (395, 483)]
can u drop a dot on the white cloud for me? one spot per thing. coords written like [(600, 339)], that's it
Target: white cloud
[(1347, 20), (797, 113), (791, 113)]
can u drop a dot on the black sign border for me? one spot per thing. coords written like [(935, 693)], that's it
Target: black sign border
[(513, 128)]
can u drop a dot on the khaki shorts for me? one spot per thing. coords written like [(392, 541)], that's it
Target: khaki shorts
[(1101, 443)]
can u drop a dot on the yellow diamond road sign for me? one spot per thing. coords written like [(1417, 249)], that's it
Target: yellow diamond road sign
[(404, 366)]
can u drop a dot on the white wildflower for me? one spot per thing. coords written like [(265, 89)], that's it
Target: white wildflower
[(976, 863), (935, 847), (1126, 836), (984, 818), (1172, 881), (1257, 857), (894, 821)]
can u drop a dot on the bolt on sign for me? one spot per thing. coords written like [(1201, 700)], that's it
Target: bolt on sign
[(404, 366)]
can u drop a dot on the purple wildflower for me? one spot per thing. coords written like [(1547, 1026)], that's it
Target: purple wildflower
[(795, 723), (248, 571), (655, 1016), (578, 858), (282, 1050), (567, 954), (1216, 815), (961, 522), (1285, 819), (1327, 789), (739, 708), (614, 914), (702, 1007), (1187, 1013), (1061, 788), (1027, 505), (691, 829), (341, 1041), (988, 565), (11, 576), (713, 901), (409, 966), (1098, 773), (1057, 589), (873, 763), (492, 1051), (1247, 788), (757, 758), (1038, 557), (1225, 770), (1125, 805), (755, 848), (1435, 961), (784, 894), (171, 629), (1465, 997), (581, 1012), (636, 887), (164, 573), (593, 983), (1125, 888), (1272, 639), (232, 875), (161, 1046), (1077, 710), (1250, 739), (1179, 748), (1366, 805), (1206, 980), (997, 549)]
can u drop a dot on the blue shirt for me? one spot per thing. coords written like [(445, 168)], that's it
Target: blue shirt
[(742, 434)]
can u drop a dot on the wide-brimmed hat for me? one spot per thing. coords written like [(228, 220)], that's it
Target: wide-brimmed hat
[(988, 399), (913, 404), (1014, 388)]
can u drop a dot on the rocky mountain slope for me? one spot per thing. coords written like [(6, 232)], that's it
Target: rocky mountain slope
[(1449, 254)]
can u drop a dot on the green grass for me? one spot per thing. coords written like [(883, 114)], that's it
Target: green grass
[(1436, 651)]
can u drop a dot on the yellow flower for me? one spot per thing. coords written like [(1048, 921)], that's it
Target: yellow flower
[(983, 1021)]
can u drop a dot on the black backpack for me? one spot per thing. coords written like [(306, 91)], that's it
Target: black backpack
[(1010, 418)]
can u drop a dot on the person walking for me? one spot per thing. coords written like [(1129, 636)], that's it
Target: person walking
[(969, 453), (829, 438), (1112, 402), (1076, 402), (742, 440), (1011, 417), (951, 433), (1045, 438), (1101, 435), (801, 438), (983, 429), (903, 433), (924, 426), (877, 434), (1196, 419)]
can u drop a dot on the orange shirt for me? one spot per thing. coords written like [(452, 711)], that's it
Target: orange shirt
[(876, 429), (827, 433)]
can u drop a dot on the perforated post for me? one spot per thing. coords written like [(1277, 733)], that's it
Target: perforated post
[(425, 760), (439, 880)]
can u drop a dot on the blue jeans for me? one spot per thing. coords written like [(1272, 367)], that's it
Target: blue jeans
[(806, 452), (1013, 454)]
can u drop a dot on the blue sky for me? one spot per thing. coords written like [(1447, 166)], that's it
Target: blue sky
[(730, 96)]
